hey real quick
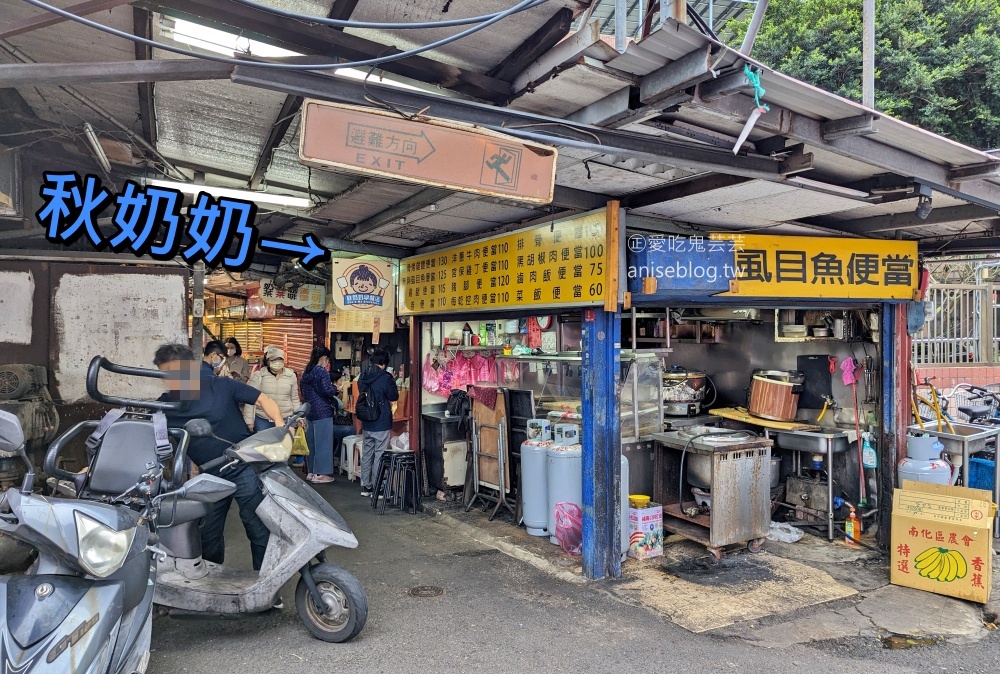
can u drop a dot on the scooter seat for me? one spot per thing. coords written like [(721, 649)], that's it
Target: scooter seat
[(977, 411), (181, 510)]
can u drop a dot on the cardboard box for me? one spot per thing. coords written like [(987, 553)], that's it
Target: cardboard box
[(645, 528), (942, 540)]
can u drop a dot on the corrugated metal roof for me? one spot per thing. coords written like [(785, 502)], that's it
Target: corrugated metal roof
[(571, 89), (367, 198), (480, 51)]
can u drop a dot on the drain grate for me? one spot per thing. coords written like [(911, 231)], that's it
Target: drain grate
[(425, 591)]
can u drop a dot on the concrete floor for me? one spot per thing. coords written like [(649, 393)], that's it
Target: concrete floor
[(501, 614)]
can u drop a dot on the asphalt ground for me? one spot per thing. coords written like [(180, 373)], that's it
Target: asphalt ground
[(496, 614)]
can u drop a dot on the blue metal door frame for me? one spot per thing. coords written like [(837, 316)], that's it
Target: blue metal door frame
[(601, 444)]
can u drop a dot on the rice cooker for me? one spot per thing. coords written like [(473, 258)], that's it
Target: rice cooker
[(683, 391)]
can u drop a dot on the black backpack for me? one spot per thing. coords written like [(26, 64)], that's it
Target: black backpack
[(367, 408), (459, 405)]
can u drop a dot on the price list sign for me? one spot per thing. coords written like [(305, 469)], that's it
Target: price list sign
[(562, 264)]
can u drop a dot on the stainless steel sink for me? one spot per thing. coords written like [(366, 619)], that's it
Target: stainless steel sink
[(816, 442)]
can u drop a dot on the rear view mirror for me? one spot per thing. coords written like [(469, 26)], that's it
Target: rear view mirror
[(198, 428), (303, 409), (11, 435), (207, 488)]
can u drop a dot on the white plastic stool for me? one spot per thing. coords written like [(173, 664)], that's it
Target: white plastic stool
[(347, 455)]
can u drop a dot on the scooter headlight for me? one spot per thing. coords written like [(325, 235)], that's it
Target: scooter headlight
[(102, 549)]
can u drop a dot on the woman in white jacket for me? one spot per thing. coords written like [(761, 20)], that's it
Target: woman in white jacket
[(278, 383)]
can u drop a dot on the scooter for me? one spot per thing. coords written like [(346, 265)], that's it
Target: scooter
[(330, 601), (85, 604)]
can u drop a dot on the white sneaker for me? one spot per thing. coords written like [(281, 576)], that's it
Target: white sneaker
[(311, 476)]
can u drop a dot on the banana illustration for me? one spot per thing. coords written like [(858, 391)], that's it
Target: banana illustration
[(941, 564)]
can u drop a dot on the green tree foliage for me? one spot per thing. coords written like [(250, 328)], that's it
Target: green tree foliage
[(937, 62)]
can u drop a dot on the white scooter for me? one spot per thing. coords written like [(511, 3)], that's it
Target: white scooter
[(330, 601)]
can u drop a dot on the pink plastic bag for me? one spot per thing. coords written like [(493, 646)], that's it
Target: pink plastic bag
[(430, 376), (569, 527)]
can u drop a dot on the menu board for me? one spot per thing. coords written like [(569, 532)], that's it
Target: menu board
[(560, 264)]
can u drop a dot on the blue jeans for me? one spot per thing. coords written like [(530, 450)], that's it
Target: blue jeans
[(248, 496), (319, 435), (261, 424)]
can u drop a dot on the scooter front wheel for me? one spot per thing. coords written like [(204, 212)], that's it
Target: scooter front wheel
[(345, 604)]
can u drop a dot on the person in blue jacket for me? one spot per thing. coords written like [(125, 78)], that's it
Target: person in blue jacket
[(322, 434), (382, 386)]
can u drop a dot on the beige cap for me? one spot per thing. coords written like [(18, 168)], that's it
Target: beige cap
[(274, 353)]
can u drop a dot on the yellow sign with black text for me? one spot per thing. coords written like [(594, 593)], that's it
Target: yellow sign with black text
[(802, 267), (561, 264)]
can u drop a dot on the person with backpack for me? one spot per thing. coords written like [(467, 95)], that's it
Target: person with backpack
[(376, 391)]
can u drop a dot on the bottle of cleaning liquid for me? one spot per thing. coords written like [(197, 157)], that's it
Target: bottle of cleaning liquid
[(852, 527), (868, 456)]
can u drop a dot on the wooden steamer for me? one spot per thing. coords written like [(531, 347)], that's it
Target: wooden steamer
[(774, 394)]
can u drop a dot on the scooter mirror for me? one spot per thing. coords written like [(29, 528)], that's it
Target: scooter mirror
[(11, 435), (207, 488), (303, 409), (198, 428)]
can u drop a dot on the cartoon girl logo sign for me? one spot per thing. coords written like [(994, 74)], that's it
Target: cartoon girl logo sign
[(363, 286)]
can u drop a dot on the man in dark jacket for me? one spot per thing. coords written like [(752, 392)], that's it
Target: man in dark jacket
[(377, 381)]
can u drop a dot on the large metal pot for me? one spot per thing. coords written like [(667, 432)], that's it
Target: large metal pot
[(774, 394), (681, 385)]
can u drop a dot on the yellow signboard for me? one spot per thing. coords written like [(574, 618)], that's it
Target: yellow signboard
[(561, 264), (814, 267)]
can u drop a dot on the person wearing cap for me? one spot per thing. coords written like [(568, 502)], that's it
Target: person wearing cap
[(279, 384)]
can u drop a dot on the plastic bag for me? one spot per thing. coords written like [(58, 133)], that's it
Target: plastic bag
[(430, 376), (400, 442), (785, 533), (569, 527), (299, 445)]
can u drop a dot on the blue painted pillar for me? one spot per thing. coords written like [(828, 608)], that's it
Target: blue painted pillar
[(601, 444)]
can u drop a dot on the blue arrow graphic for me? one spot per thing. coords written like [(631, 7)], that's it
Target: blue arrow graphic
[(310, 250)]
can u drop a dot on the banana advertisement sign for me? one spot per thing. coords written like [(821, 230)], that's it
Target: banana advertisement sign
[(941, 540)]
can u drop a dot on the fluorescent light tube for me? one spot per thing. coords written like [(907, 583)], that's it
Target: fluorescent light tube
[(95, 145), (245, 195)]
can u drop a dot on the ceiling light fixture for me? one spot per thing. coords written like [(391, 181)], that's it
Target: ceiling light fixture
[(818, 186), (225, 192), (95, 146)]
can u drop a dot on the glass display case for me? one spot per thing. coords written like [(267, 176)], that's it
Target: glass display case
[(641, 396), (557, 383)]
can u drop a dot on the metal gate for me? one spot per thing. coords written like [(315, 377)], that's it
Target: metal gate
[(294, 336), (959, 327)]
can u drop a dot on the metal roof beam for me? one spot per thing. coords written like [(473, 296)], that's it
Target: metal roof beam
[(688, 188), (123, 72), (570, 49), (383, 250), (421, 199), (986, 169), (541, 41), (142, 26), (676, 76), (987, 244), (598, 139), (845, 128), (318, 39), (783, 122), (611, 108), (900, 221), (727, 85), (46, 19)]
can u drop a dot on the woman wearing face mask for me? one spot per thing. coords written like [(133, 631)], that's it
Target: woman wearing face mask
[(278, 383), (236, 366), (323, 434)]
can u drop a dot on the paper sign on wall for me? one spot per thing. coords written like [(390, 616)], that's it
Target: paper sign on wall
[(363, 291)]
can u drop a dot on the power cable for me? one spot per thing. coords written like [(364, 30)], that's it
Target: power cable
[(524, 4), (398, 25)]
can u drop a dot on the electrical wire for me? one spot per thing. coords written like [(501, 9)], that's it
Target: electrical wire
[(398, 25), (280, 66)]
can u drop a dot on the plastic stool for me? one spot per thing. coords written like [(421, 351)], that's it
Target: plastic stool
[(347, 459)]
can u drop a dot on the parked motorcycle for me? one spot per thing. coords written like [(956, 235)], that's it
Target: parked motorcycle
[(330, 601), (85, 604)]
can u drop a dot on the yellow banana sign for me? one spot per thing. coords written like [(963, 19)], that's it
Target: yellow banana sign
[(941, 564)]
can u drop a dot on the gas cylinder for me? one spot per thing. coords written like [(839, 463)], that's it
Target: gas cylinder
[(923, 462), (534, 486)]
